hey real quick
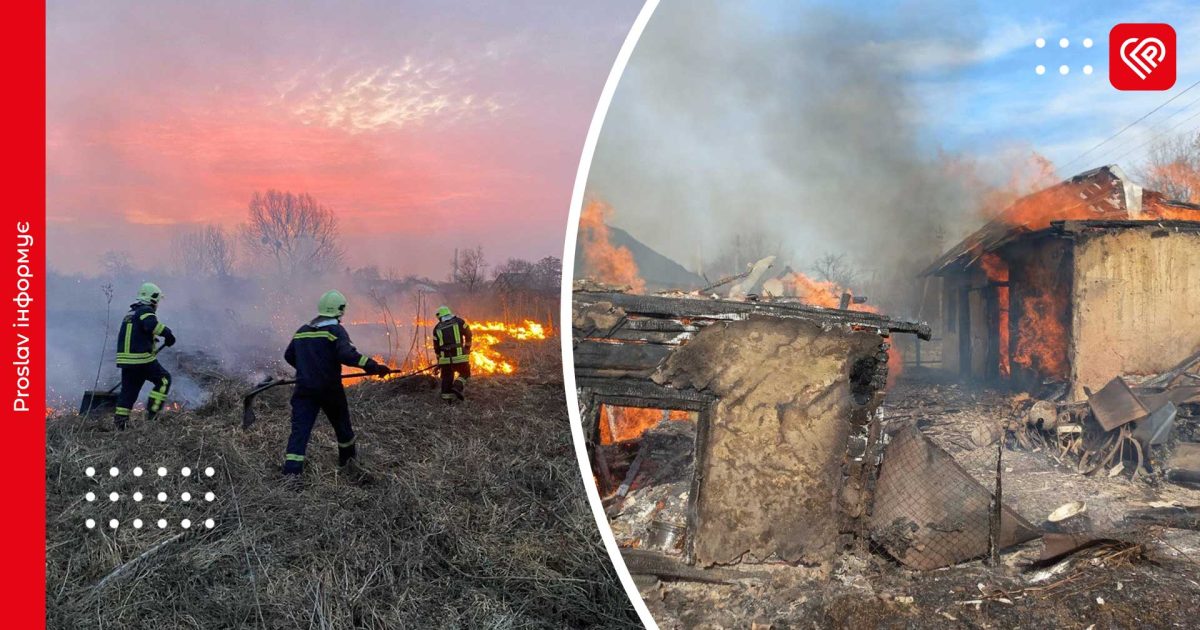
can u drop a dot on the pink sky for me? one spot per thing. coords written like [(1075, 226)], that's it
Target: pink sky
[(424, 128)]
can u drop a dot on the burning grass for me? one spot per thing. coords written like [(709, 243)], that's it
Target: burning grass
[(476, 518)]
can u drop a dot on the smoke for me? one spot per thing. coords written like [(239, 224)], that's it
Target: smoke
[(805, 127), (233, 327)]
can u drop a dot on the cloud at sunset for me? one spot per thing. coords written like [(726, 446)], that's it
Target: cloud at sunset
[(424, 129)]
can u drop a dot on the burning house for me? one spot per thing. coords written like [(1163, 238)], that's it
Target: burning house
[(1088, 279)]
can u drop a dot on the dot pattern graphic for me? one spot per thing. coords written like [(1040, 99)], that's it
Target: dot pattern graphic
[(115, 496), (1063, 43)]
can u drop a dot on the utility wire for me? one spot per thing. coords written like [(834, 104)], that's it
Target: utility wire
[(1156, 137), (1127, 127), (1129, 141)]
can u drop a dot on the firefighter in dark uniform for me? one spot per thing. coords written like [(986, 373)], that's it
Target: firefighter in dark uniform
[(137, 356), (318, 351), (452, 341)]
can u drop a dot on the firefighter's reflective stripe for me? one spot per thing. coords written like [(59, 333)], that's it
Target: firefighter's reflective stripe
[(128, 339), (347, 444), (122, 411), (363, 361), (321, 334), (145, 315), (448, 396), (159, 394), (293, 458), (159, 328), (135, 358), (444, 358)]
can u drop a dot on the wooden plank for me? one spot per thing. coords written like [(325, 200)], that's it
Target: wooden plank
[(620, 356)]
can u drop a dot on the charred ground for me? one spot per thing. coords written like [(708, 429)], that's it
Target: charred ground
[(477, 517)]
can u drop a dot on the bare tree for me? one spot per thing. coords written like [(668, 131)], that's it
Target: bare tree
[(548, 273), (116, 263), (514, 265), (207, 250), (470, 269), (1173, 168), (836, 268), (294, 231)]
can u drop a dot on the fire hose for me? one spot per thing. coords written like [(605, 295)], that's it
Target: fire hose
[(248, 417)]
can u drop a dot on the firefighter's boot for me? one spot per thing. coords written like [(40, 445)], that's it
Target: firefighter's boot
[(356, 473)]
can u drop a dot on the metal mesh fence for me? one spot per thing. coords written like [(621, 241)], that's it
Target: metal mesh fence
[(930, 512)]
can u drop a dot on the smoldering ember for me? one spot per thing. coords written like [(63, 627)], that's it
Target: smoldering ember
[(772, 451)]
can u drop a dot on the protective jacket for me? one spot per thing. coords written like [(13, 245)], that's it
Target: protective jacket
[(319, 349), (135, 340), (452, 341)]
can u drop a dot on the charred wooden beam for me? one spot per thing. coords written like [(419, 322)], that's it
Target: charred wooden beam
[(644, 393), (619, 356), (699, 308)]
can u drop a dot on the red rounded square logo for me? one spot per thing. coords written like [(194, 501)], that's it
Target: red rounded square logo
[(1141, 56)]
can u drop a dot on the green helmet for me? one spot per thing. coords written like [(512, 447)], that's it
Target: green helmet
[(443, 311), (332, 304), (149, 293)]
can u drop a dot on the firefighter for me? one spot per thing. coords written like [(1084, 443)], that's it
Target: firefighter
[(137, 356), (318, 351), (452, 341)]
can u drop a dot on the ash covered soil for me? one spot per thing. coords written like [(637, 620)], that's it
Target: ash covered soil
[(476, 517), (1153, 581)]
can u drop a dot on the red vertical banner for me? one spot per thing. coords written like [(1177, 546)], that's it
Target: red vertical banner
[(22, 469)]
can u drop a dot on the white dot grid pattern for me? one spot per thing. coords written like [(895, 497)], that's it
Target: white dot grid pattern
[(1063, 42), (138, 496)]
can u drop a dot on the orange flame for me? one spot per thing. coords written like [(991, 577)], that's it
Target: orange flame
[(630, 423), (827, 294), (601, 259), (485, 357)]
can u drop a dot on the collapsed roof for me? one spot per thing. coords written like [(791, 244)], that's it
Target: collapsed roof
[(1103, 194)]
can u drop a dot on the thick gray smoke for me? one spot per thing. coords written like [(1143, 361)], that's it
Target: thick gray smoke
[(234, 327), (798, 124)]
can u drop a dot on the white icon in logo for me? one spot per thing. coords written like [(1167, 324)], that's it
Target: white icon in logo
[(1145, 56)]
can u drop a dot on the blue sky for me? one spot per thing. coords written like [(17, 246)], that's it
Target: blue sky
[(977, 90)]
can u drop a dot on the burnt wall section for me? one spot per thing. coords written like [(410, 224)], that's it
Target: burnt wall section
[(787, 436), (773, 467), (1136, 297)]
